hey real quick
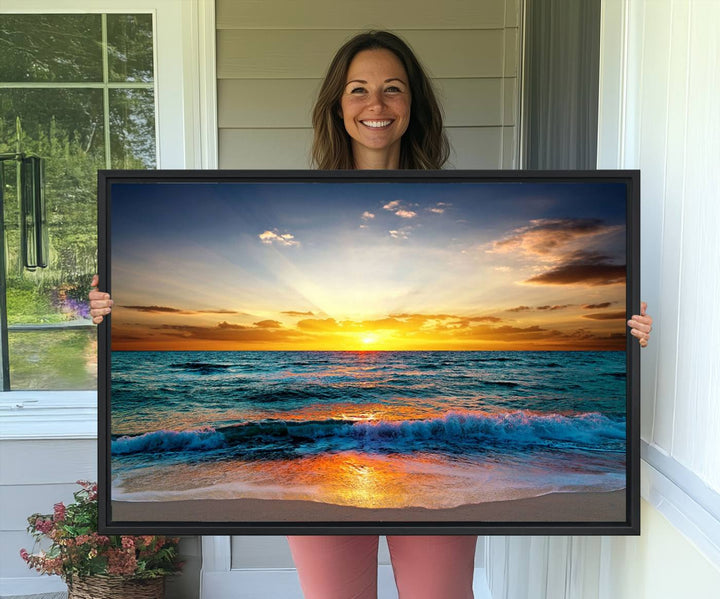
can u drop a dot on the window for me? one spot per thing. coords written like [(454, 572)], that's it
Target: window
[(78, 91)]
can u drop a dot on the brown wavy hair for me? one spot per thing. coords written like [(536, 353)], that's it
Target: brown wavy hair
[(423, 146)]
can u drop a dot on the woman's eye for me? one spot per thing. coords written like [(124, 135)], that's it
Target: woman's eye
[(393, 89), (357, 90)]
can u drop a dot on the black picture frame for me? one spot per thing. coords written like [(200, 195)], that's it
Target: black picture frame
[(111, 181)]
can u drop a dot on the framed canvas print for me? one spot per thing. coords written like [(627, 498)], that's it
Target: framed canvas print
[(392, 352)]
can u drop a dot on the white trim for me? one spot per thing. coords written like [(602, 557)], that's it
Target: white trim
[(520, 91), (201, 59), (216, 554), (48, 415)]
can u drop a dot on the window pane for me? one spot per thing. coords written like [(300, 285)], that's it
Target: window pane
[(132, 128), (53, 360), (130, 47), (65, 127), (50, 48), (48, 117)]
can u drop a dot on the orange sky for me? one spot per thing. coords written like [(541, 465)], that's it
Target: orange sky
[(368, 267), (563, 327)]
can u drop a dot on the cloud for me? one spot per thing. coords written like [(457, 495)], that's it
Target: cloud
[(158, 309), (171, 310), (367, 215), (392, 206), (226, 331), (439, 208), (596, 306), (272, 237), (401, 234), (546, 237), (396, 208), (268, 324), (606, 315), (539, 308), (294, 313), (319, 324), (222, 325), (582, 268)]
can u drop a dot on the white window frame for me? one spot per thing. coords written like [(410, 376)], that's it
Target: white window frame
[(186, 130)]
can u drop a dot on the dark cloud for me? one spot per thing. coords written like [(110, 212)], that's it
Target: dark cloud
[(582, 268), (268, 324), (596, 306), (620, 315), (542, 308), (170, 310), (226, 331), (163, 309), (581, 274), (294, 313), (546, 236)]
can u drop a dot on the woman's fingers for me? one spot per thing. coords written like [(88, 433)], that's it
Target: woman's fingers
[(100, 302), (641, 325)]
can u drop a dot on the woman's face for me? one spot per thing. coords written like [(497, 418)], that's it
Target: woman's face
[(375, 103)]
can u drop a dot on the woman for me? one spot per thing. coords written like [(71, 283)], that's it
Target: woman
[(377, 110)]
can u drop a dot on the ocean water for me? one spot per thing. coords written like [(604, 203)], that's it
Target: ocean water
[(367, 429)]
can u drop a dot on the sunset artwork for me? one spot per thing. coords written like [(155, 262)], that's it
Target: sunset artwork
[(368, 351)]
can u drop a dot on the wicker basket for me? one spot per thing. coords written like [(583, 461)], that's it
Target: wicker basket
[(116, 587)]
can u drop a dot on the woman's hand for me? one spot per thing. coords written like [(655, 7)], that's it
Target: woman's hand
[(641, 325), (100, 302)]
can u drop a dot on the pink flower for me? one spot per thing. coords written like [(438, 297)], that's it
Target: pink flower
[(43, 526), (128, 543), (24, 555), (121, 562), (59, 512)]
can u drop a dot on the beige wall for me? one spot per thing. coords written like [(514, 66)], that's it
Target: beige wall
[(661, 563), (271, 57)]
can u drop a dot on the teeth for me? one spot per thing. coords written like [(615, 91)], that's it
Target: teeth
[(376, 123)]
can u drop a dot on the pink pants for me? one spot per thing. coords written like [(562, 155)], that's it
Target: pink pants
[(345, 567)]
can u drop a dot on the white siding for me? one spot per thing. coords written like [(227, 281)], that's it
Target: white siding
[(271, 59)]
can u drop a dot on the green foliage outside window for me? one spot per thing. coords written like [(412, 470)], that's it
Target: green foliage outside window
[(81, 88)]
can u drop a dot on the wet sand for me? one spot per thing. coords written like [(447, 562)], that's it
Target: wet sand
[(553, 507)]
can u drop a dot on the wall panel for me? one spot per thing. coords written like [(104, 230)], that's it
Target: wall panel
[(331, 14), (306, 53)]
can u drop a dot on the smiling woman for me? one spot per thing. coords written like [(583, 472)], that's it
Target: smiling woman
[(378, 81)]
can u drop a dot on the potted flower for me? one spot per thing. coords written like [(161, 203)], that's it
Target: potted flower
[(95, 566)]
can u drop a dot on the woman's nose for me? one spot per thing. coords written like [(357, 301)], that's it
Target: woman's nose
[(376, 100)]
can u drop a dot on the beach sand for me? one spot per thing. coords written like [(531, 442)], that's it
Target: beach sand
[(553, 507)]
